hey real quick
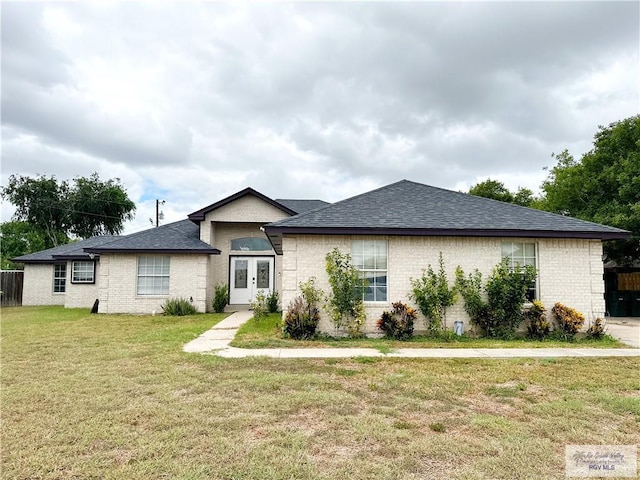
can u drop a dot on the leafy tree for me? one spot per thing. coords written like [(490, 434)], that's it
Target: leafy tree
[(497, 191), (20, 238), (603, 186), (86, 207), (345, 304)]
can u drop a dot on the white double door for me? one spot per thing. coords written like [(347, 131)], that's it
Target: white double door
[(249, 275)]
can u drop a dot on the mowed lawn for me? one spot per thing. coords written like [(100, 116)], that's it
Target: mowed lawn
[(113, 396)]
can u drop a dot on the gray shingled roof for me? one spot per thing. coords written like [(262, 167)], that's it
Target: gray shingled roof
[(302, 206), (177, 237), (410, 208), (69, 251)]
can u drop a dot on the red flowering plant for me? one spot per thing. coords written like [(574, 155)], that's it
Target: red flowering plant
[(398, 323)]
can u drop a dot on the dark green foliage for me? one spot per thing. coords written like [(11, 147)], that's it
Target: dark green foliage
[(603, 186), (398, 323), (303, 313), (20, 238), (220, 297), (273, 301), (432, 294), (87, 207), (345, 303), (506, 289), (178, 307), (539, 327), (496, 190)]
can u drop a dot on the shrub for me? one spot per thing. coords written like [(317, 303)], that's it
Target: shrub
[(259, 305), (506, 290), (596, 330), (178, 307), (220, 297), (569, 320), (432, 294), (345, 303), (303, 313), (273, 300), (399, 322), (539, 327)]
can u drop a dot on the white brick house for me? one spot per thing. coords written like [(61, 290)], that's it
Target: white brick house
[(392, 234)]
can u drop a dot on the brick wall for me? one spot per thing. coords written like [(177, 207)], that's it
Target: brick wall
[(81, 295), (570, 271), (38, 286), (118, 283)]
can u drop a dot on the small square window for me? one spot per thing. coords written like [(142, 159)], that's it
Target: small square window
[(83, 272)]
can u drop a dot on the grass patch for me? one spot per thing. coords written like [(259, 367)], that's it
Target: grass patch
[(114, 396), (266, 333)]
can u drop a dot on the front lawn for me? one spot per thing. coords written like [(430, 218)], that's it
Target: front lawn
[(266, 333), (115, 397)]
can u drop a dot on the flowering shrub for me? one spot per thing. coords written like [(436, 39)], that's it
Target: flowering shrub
[(539, 327), (399, 322), (569, 320)]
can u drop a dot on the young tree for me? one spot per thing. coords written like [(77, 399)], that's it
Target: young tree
[(87, 207), (603, 186)]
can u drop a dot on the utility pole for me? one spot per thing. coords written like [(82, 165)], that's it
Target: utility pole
[(159, 214)]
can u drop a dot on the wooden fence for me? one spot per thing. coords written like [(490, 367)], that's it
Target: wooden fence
[(11, 285)]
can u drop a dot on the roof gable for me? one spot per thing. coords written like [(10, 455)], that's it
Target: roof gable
[(199, 215), (410, 208)]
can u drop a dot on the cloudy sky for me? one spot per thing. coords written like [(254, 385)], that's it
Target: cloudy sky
[(192, 101)]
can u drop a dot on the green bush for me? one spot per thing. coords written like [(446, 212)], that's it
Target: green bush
[(345, 304), (273, 301), (539, 327), (178, 307), (506, 289), (398, 323), (303, 313), (569, 320), (432, 295), (220, 297), (259, 305), (596, 330)]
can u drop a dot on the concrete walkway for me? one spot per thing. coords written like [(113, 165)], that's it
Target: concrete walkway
[(216, 342)]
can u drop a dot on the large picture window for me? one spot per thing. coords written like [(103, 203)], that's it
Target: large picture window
[(83, 272), (522, 253), (60, 278), (370, 258), (153, 275)]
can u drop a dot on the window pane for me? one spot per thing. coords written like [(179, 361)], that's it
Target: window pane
[(529, 249), (153, 275)]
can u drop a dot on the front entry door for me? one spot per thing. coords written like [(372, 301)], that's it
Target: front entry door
[(248, 276)]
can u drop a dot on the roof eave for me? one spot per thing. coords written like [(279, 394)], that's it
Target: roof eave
[(190, 251), (439, 232)]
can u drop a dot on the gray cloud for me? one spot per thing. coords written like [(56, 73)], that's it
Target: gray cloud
[(319, 100)]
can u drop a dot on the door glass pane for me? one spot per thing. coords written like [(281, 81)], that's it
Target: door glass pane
[(240, 273), (262, 274)]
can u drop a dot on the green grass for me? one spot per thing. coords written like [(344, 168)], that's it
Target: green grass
[(114, 396), (266, 333)]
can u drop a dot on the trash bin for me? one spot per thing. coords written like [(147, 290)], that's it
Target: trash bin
[(619, 304), (458, 327), (635, 304)]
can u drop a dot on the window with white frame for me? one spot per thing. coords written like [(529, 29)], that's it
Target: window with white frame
[(370, 258), (60, 278), (83, 272), (522, 253), (153, 275)]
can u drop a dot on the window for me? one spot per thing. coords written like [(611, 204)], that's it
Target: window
[(82, 272), (370, 257), (60, 278), (153, 275), (250, 244), (522, 253)]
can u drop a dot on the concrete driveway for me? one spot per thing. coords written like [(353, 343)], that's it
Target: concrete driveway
[(626, 329)]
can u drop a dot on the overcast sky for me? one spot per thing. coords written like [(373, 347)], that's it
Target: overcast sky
[(190, 102)]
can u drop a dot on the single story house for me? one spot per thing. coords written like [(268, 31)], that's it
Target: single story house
[(251, 242)]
